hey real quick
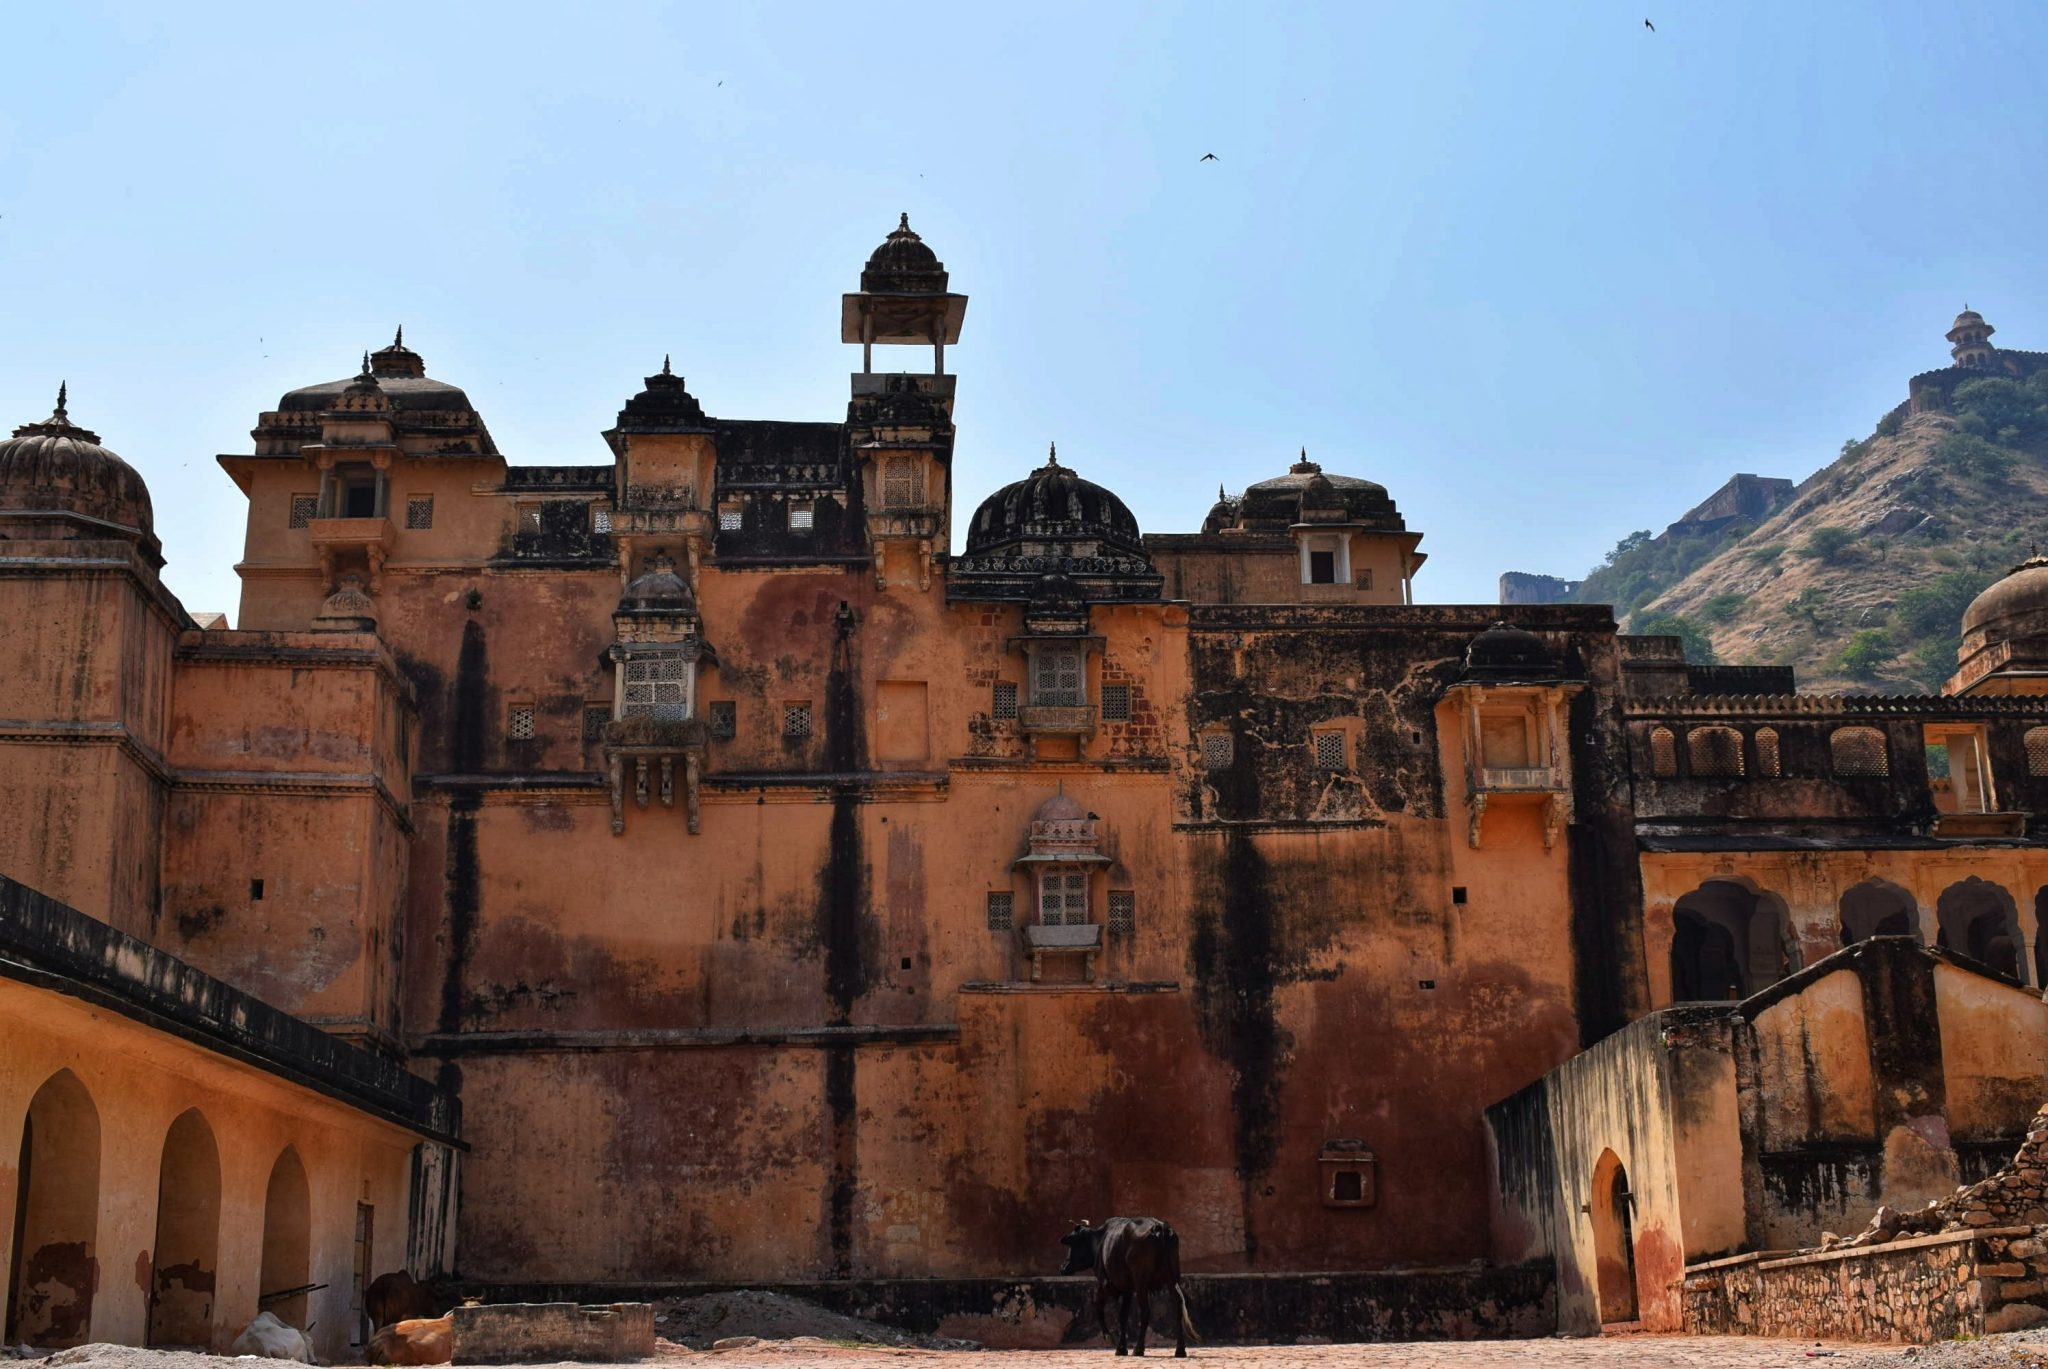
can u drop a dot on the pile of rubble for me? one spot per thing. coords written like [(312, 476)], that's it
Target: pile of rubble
[(2017, 1195)]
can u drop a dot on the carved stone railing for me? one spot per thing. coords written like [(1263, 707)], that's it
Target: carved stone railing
[(1512, 778), (1056, 720)]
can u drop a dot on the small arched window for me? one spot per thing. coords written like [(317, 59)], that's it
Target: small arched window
[(1663, 753), (1715, 752), (1859, 752), (1767, 764), (2037, 751)]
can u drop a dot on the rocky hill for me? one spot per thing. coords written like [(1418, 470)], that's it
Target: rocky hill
[(1859, 576)]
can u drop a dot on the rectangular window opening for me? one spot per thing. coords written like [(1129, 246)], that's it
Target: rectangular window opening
[(1123, 910), (595, 717), (519, 722), (999, 910), (1116, 703), (796, 720), (1330, 750), (1322, 567), (1217, 750), (1003, 701), (305, 508), (256, 891), (419, 513), (725, 720), (730, 518), (801, 516), (1458, 894), (359, 499), (600, 520)]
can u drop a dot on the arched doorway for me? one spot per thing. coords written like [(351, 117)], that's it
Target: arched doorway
[(287, 1240), (1727, 942), (1878, 907), (1979, 919), (56, 1217), (1614, 1245), (183, 1258)]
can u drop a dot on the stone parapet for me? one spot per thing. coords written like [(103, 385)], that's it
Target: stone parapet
[(546, 1333)]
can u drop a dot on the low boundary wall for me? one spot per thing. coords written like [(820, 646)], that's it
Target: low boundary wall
[(1241, 1309), (1914, 1290)]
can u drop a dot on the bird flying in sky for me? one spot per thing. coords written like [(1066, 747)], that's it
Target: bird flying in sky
[(1208, 156)]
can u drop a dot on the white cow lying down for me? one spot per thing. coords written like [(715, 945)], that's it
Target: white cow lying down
[(269, 1338)]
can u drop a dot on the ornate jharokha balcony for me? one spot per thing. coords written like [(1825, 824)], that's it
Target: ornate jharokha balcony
[(913, 523), (370, 538), (644, 752)]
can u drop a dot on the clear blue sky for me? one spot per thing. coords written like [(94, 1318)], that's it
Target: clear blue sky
[(1546, 275)]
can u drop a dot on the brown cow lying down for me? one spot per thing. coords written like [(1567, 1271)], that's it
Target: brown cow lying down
[(422, 1340), (396, 1297)]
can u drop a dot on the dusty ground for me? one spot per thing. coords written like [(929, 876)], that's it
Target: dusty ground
[(1612, 1352)]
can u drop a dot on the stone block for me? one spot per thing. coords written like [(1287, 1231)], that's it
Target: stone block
[(2008, 1269), (2019, 1290), (544, 1332), (2018, 1316)]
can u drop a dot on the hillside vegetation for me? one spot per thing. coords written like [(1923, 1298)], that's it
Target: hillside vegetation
[(1861, 580)]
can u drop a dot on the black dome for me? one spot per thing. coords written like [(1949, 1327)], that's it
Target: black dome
[(1054, 505), (58, 467), (402, 375), (1507, 653), (903, 265)]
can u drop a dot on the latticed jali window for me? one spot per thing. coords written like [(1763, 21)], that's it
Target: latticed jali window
[(657, 687), (1063, 898), (1123, 910), (1767, 763), (729, 520), (724, 719), (595, 716), (796, 720), (1116, 703), (1002, 704), (1715, 752), (600, 520), (519, 722), (1329, 750), (305, 508), (1057, 679), (1859, 751), (999, 912), (419, 513), (1216, 750), (2037, 751), (1663, 753), (899, 483), (801, 517)]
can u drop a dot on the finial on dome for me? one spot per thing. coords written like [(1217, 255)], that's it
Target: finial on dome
[(664, 365), (399, 340), (366, 366), (903, 226), (63, 392), (1052, 454), (1221, 497)]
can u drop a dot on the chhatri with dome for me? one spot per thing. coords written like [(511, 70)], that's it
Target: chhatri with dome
[(733, 855)]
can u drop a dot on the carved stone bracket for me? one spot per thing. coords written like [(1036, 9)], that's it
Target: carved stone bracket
[(653, 746)]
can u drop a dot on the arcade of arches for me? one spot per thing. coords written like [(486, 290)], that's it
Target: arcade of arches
[(1730, 928), (251, 1179)]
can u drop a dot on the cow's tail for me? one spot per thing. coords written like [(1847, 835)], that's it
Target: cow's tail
[(1186, 1325)]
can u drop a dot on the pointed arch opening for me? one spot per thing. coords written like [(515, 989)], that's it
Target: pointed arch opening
[(185, 1256), (1728, 940), (56, 1217), (1614, 1245), (287, 1240), (1980, 919), (1877, 907)]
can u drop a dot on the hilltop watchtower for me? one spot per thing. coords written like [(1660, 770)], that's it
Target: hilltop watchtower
[(1971, 337)]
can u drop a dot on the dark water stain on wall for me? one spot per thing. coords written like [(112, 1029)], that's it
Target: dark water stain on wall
[(847, 932), (1234, 965), (470, 708)]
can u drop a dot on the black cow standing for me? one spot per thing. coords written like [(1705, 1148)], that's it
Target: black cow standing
[(1133, 1258)]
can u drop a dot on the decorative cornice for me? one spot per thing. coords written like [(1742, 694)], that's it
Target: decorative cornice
[(1772, 707)]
